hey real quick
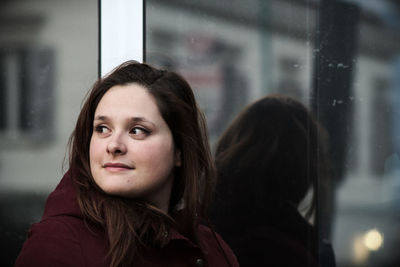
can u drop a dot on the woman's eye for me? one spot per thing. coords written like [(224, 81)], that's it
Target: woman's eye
[(102, 129), (139, 132)]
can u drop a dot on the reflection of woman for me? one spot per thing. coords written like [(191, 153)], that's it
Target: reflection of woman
[(140, 180), (267, 161)]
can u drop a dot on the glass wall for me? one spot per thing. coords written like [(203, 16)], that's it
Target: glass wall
[(48, 60), (340, 58)]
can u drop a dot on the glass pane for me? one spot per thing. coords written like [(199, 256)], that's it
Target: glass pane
[(339, 58), (48, 60), (364, 222)]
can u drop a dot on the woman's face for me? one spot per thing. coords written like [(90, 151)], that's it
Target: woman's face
[(131, 149)]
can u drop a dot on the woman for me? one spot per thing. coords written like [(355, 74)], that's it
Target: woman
[(267, 160), (140, 180)]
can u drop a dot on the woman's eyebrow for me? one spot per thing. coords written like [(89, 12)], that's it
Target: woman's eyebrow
[(100, 118), (132, 119), (140, 119)]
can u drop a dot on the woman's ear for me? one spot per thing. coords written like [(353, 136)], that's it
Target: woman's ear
[(178, 158)]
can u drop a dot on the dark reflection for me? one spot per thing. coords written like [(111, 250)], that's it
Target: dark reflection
[(336, 49), (268, 159)]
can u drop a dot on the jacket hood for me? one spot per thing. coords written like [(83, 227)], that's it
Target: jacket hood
[(63, 200)]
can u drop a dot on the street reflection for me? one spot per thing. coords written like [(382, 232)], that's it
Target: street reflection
[(339, 58)]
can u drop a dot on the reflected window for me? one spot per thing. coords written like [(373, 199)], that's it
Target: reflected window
[(27, 86)]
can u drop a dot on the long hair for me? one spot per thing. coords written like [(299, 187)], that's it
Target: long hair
[(133, 224), (272, 153)]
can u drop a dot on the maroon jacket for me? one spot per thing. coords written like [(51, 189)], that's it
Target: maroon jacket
[(62, 238)]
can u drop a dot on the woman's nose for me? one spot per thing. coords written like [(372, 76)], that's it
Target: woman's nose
[(116, 145)]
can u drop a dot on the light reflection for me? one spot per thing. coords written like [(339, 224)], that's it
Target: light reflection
[(373, 239), (364, 244), (360, 252)]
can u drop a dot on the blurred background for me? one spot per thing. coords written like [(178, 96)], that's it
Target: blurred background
[(340, 58)]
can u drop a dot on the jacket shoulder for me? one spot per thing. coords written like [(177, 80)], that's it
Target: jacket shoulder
[(51, 242), (216, 248)]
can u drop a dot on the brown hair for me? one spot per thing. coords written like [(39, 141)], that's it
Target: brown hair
[(131, 223), (273, 152)]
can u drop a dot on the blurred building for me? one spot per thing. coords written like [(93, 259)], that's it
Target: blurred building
[(48, 60)]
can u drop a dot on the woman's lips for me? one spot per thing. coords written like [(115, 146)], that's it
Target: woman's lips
[(115, 167)]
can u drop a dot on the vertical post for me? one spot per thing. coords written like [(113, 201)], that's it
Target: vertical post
[(265, 39), (121, 33)]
